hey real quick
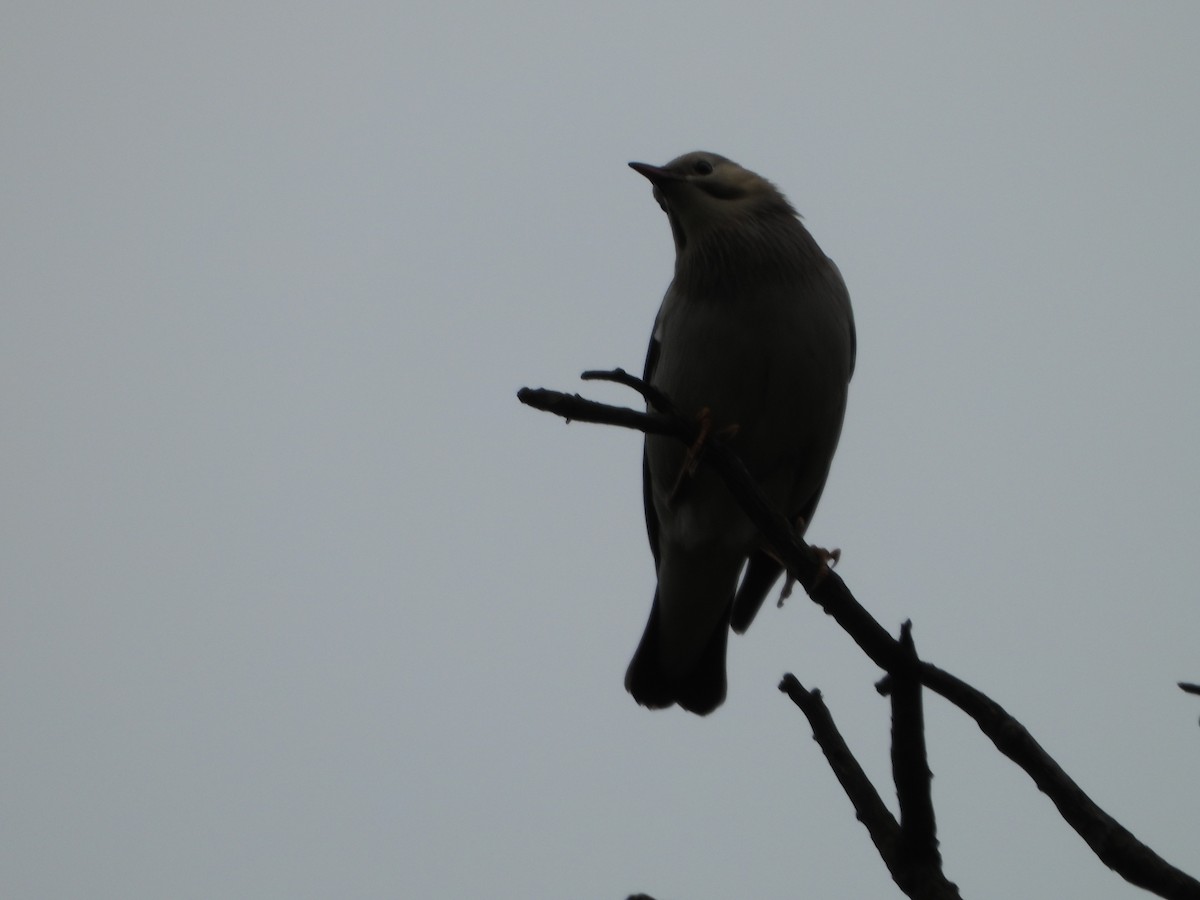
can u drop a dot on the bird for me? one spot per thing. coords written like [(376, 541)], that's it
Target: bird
[(755, 335)]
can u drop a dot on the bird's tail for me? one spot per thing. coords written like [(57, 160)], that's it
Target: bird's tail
[(700, 691)]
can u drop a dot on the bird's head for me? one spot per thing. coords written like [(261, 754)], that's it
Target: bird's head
[(704, 192)]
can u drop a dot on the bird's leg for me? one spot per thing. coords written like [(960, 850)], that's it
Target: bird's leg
[(789, 580), (829, 559), (692, 458)]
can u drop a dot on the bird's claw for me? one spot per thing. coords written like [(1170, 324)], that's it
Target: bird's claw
[(692, 458), (788, 583), (829, 560)]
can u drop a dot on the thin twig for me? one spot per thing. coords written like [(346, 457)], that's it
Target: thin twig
[(868, 805), (652, 395), (912, 777)]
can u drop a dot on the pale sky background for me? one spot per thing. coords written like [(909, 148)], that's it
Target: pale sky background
[(299, 602)]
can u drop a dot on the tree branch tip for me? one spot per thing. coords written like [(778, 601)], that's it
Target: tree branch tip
[(799, 694), (536, 397)]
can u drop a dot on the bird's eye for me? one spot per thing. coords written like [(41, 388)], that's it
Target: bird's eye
[(702, 167)]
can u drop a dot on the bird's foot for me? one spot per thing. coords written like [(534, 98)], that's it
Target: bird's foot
[(789, 581), (692, 459), (829, 559)]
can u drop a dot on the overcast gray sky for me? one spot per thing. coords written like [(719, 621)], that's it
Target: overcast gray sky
[(298, 602)]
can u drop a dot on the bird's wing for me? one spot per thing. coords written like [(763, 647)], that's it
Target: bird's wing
[(647, 488), (763, 570), (843, 299)]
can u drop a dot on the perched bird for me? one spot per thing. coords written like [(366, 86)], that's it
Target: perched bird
[(756, 334)]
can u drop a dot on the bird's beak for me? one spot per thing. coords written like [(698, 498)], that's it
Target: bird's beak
[(656, 174)]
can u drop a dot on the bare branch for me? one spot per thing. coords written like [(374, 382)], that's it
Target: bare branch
[(910, 764), (912, 873), (574, 408), (649, 392), (1115, 846), (868, 806)]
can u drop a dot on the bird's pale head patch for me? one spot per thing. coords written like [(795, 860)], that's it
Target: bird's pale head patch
[(702, 192)]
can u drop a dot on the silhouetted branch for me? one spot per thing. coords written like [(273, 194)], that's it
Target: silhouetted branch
[(1190, 688), (869, 808), (1110, 841), (574, 408), (652, 395), (908, 848), (1116, 847), (911, 774)]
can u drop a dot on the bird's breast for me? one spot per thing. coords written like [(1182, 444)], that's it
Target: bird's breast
[(772, 365), (758, 363)]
